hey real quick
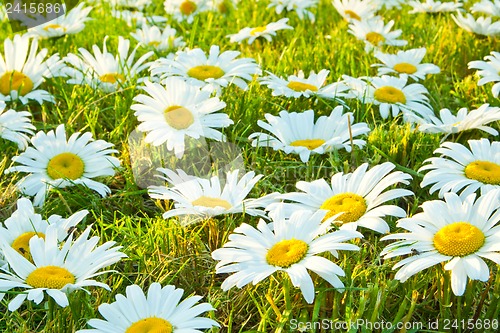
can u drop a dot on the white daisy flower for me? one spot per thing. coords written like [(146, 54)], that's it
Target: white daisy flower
[(104, 70), (55, 161), (489, 71), (199, 198), (24, 224), (353, 199), (461, 169), (23, 70), (137, 18), (357, 87), (375, 34), (289, 245), (355, 9), (462, 234), (479, 26), (405, 62), (176, 110), (157, 311), (297, 85), (56, 270), (299, 6), (15, 126), (463, 121), (71, 22), (152, 36), (487, 7), (298, 133), (431, 6), (212, 72), (266, 32), (185, 9)]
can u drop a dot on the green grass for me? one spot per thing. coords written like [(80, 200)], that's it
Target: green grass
[(163, 251)]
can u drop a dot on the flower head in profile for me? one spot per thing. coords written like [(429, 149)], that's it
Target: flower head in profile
[(459, 169), (15, 126), (480, 26), (431, 6), (374, 33), (355, 9), (55, 161), (298, 133), (265, 31), (488, 71), (463, 233), (153, 37), (300, 7), (185, 10), (291, 245), (159, 310), (405, 62), (23, 70), (487, 7), (56, 270)]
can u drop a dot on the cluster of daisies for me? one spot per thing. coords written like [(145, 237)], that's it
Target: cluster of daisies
[(181, 97)]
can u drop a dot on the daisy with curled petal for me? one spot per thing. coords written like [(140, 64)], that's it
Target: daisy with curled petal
[(298, 133), (462, 234), (375, 33), (290, 245), (355, 9), (104, 70), (405, 62), (431, 6), (15, 126), (157, 311), (152, 36), (24, 224), (212, 72), (299, 6), (355, 199), (266, 32), (203, 198), (23, 70), (177, 109), (481, 26), (185, 9), (136, 18), (57, 162), (488, 71), (487, 7), (461, 169)]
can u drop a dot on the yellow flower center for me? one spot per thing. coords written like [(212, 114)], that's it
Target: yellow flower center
[(405, 67), (178, 117), (301, 86), (65, 165), (391, 95), (150, 325), (352, 15), (352, 205), (483, 171), (308, 143), (16, 81), (458, 239), (154, 43), (187, 7), (22, 243), (211, 202), (112, 78), (286, 253), (204, 72), (257, 30), (53, 26), (374, 38), (52, 277)]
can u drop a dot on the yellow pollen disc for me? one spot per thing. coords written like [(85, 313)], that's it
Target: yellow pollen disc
[(353, 206), (484, 171), (204, 72), (211, 202), (154, 43), (405, 67), (391, 95), (65, 165), (352, 15), (374, 38), (458, 239), (257, 30), (287, 252), (150, 325), (112, 78), (178, 117), (53, 26), (52, 277), (301, 86), (187, 7), (308, 143), (16, 81), (22, 243)]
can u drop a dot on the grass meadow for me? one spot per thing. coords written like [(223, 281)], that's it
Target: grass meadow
[(163, 251)]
